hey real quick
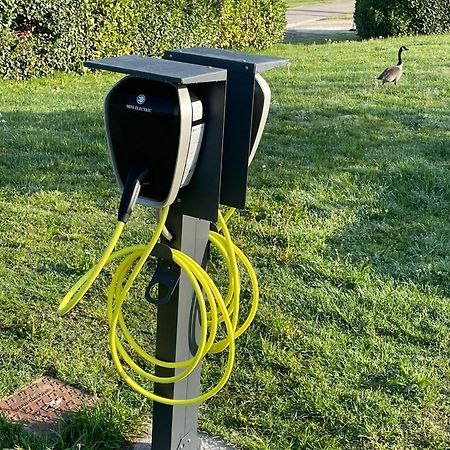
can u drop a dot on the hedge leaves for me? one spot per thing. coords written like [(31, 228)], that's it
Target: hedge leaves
[(40, 36)]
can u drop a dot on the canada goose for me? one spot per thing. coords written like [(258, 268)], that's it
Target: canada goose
[(394, 73)]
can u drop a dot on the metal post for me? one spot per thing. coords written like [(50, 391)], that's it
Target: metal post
[(175, 427)]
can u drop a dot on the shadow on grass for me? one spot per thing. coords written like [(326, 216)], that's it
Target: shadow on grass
[(64, 151), (389, 167), (14, 435), (318, 36), (404, 235), (398, 380)]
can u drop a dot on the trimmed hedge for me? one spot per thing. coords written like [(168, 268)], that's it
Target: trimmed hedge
[(40, 36), (375, 18), (251, 23), (37, 37)]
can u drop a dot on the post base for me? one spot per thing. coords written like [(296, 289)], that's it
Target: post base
[(206, 443)]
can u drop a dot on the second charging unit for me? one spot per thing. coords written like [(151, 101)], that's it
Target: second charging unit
[(181, 132)]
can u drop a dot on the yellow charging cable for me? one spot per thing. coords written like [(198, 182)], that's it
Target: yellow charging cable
[(213, 313)]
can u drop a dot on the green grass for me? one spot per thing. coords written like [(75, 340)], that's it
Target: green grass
[(294, 3), (340, 17), (318, 37), (347, 225), (102, 426)]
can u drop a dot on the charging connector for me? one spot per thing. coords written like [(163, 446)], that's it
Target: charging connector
[(137, 176)]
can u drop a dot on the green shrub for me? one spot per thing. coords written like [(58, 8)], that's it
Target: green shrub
[(400, 17), (176, 23), (39, 36), (251, 23)]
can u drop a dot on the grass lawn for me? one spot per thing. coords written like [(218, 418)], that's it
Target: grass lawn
[(293, 3), (347, 224)]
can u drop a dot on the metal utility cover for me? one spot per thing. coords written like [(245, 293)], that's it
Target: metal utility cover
[(40, 405)]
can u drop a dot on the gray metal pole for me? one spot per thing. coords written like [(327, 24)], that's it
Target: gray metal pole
[(175, 427)]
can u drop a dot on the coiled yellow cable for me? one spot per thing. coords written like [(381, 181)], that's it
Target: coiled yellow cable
[(213, 312)]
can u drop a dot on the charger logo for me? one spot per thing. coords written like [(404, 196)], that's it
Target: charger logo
[(140, 99)]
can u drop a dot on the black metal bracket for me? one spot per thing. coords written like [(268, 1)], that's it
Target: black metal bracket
[(166, 276), (167, 282), (240, 104)]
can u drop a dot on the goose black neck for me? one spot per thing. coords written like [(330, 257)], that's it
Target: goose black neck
[(400, 62)]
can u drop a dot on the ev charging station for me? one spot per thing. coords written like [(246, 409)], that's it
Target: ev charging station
[(181, 132)]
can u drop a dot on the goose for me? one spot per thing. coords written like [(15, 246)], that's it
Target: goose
[(394, 73)]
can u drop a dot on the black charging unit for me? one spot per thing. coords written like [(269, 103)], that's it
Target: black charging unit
[(151, 117)]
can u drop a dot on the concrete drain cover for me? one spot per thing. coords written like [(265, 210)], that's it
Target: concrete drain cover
[(40, 405)]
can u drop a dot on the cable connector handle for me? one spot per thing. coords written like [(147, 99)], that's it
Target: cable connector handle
[(137, 176)]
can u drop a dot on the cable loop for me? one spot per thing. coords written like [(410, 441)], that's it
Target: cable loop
[(214, 310)]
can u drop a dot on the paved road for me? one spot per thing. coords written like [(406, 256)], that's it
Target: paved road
[(310, 17)]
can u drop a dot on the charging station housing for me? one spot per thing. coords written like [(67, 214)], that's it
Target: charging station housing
[(151, 123), (158, 131), (150, 117)]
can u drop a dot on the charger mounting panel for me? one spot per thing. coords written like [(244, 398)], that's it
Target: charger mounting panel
[(241, 110)]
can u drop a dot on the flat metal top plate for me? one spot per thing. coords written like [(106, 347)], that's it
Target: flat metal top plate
[(40, 405), (159, 69), (227, 59)]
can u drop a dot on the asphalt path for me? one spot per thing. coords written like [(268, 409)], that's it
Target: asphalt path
[(320, 16)]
